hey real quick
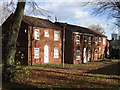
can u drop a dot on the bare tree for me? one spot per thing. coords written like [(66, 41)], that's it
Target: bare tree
[(10, 36), (111, 8), (97, 28)]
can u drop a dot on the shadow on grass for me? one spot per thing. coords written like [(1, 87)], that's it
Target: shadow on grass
[(113, 69), (16, 85)]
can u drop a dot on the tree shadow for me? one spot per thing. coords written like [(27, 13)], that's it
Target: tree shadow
[(113, 69), (16, 85)]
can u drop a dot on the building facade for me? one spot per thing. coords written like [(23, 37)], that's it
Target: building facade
[(82, 45), (41, 41)]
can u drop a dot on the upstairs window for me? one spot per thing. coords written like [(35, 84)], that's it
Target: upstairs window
[(56, 35), (37, 34), (36, 53), (85, 39), (56, 52), (104, 41), (89, 40), (96, 40), (46, 33), (77, 39), (77, 54), (99, 39)]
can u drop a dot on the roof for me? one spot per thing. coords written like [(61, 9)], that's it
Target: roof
[(34, 21), (75, 28), (38, 22)]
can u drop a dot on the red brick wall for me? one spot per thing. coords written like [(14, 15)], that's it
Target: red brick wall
[(99, 46), (41, 43), (78, 47)]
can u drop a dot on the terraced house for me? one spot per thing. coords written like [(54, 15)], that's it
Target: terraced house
[(82, 45), (42, 41)]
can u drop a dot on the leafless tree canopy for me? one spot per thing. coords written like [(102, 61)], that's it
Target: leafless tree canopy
[(111, 8), (97, 28), (32, 8)]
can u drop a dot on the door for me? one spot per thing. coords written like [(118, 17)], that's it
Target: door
[(84, 55), (46, 54)]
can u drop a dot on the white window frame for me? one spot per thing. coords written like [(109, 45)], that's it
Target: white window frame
[(36, 34), (46, 33), (56, 35), (77, 56), (99, 39), (78, 39), (89, 42), (96, 51), (85, 39), (36, 53), (56, 52), (104, 41), (96, 40), (103, 50)]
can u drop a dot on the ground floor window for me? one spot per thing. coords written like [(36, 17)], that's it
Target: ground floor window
[(96, 51), (56, 52), (36, 53), (77, 54)]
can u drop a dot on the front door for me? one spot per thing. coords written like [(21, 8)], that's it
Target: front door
[(46, 54), (84, 55)]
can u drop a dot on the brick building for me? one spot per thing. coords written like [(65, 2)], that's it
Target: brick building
[(42, 41), (82, 45), (39, 41)]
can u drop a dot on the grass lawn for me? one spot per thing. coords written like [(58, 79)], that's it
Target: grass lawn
[(102, 75)]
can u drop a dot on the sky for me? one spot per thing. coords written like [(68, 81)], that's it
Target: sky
[(73, 12)]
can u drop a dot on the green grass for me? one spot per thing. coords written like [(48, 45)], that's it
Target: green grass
[(66, 66), (70, 76)]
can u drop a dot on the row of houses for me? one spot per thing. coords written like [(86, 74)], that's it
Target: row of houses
[(42, 41)]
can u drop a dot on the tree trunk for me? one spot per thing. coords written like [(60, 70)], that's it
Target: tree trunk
[(15, 26)]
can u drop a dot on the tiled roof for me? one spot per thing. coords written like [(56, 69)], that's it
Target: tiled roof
[(38, 22), (75, 28)]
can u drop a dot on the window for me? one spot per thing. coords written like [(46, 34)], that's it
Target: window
[(56, 52), (25, 31), (103, 51), (77, 39), (104, 41), (36, 53), (46, 33), (96, 51), (89, 51), (77, 54), (85, 39), (36, 34), (89, 42), (99, 48), (96, 40), (99, 39), (56, 35)]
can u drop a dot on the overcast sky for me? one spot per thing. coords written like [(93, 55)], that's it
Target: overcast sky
[(73, 12)]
